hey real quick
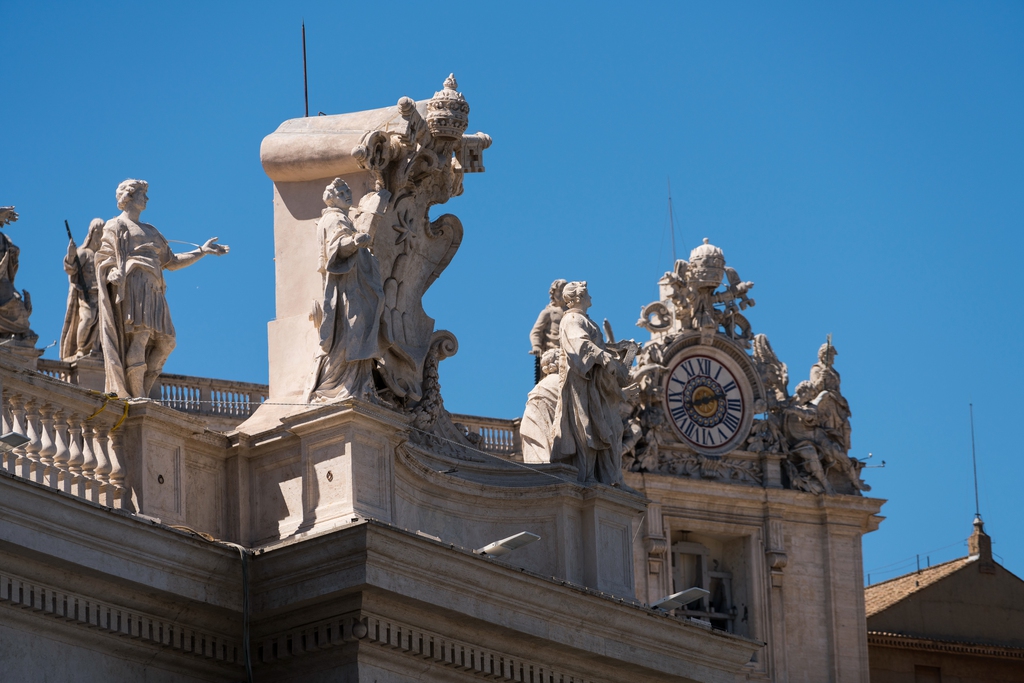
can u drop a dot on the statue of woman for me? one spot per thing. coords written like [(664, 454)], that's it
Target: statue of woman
[(352, 338), (588, 424), (135, 324), (78, 337), (538, 419)]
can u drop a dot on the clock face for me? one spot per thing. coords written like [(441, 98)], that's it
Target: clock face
[(705, 403)]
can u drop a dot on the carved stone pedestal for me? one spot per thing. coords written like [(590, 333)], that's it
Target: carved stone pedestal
[(335, 465)]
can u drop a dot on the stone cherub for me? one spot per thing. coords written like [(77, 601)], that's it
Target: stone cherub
[(79, 336), (588, 423), (135, 328), (544, 335), (15, 307), (349, 318)]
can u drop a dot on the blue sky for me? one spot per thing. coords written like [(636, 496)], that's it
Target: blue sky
[(862, 164)]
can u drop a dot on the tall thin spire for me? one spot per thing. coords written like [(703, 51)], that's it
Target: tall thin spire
[(671, 221), (974, 461)]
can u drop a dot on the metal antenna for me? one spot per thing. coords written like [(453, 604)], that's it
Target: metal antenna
[(974, 460), (305, 81), (671, 221)]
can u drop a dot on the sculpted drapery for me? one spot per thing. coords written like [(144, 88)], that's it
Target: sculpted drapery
[(588, 426), (350, 328), (79, 336), (136, 331), (541, 403)]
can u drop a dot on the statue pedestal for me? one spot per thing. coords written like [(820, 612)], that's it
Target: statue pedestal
[(334, 465), (22, 351), (88, 373)]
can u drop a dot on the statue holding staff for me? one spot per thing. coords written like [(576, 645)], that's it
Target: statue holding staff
[(135, 326), (79, 336)]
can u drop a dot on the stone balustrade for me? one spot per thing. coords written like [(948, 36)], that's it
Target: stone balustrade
[(219, 398), (496, 435), (73, 440)]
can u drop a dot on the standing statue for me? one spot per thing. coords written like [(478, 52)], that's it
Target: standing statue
[(135, 326), (352, 335), (535, 428), (588, 426), (15, 308), (544, 334), (79, 337)]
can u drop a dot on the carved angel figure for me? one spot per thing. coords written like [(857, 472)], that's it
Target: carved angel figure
[(79, 336), (588, 420), (352, 337), (136, 331), (538, 419)]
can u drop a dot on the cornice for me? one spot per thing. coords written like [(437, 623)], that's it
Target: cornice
[(904, 642)]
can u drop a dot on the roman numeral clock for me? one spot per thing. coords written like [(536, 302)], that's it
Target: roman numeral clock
[(708, 400)]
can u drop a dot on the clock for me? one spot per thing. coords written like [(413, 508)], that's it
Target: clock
[(708, 401)]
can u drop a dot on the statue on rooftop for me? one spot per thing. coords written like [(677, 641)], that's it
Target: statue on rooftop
[(79, 336), (544, 334), (588, 423), (135, 326), (353, 336), (15, 307), (535, 428), (692, 300)]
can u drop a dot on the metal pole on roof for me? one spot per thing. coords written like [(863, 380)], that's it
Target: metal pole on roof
[(974, 461)]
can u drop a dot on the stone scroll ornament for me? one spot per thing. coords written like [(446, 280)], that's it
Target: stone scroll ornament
[(15, 307), (418, 168)]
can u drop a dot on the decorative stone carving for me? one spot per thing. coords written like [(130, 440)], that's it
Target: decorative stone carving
[(588, 422), (691, 299), (79, 336), (538, 420), (15, 307), (808, 432), (420, 167), (544, 334), (135, 326), (352, 335)]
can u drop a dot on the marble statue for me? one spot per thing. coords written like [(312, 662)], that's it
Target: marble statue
[(15, 307), (79, 336), (692, 300), (420, 166), (353, 337), (544, 334), (135, 326), (538, 420), (805, 441), (588, 424)]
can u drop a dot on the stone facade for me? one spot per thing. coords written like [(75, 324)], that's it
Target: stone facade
[(335, 525)]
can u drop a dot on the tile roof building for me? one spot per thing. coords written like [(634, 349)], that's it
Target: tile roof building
[(961, 621)]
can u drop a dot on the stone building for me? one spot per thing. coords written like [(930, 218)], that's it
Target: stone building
[(961, 621), (341, 524)]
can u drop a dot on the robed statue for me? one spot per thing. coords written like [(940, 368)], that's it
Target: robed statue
[(353, 336), (79, 336), (136, 332), (15, 307), (588, 429)]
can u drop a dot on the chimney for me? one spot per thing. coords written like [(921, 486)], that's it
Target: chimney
[(979, 547)]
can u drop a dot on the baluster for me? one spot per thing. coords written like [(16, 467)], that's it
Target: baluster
[(15, 457), (99, 449), (62, 454), (45, 472), (5, 416), (89, 462), (74, 481), (116, 476), (31, 461)]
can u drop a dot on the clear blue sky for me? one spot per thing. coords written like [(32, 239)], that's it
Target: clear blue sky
[(862, 164)]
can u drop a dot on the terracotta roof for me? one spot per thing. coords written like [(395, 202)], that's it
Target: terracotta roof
[(885, 594)]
